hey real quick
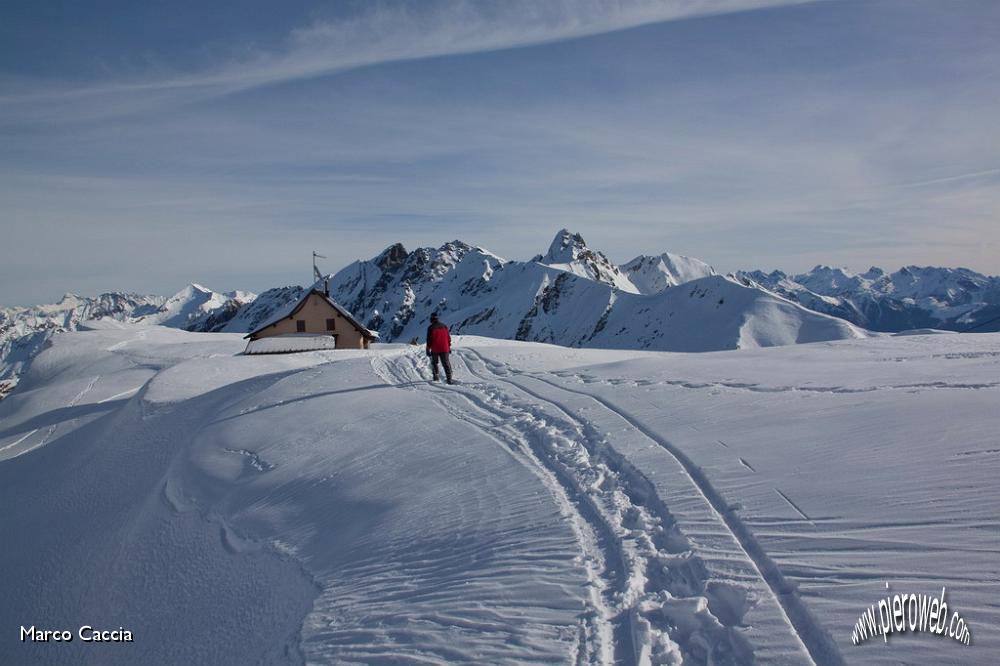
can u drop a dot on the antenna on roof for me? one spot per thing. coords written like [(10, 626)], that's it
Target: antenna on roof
[(317, 275)]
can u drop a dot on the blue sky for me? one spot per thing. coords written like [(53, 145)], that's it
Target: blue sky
[(146, 145)]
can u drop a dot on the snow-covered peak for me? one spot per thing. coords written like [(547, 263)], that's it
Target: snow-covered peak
[(565, 248), (761, 278), (653, 274), (434, 264), (921, 282), (196, 307), (830, 281), (873, 273), (569, 252)]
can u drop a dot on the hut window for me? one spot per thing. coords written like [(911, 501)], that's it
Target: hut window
[(300, 325), (331, 324)]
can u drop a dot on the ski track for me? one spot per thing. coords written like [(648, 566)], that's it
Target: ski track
[(819, 645), (794, 506), (656, 592), (123, 394), (52, 428), (141, 335), (19, 440), (519, 435)]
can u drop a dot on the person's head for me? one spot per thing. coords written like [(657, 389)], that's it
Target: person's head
[(434, 317)]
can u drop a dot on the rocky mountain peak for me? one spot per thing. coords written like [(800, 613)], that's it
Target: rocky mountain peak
[(391, 257), (565, 248), (569, 252)]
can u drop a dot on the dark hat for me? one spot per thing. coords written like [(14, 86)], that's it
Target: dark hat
[(434, 316)]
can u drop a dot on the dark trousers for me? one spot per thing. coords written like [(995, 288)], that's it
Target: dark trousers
[(445, 359)]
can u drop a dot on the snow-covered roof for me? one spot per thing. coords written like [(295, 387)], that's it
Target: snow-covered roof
[(291, 342), (294, 307)]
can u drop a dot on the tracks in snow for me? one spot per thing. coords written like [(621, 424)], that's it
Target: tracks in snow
[(818, 644), (50, 430), (522, 434), (761, 388), (654, 599)]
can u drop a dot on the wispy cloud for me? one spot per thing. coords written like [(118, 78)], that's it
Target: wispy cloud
[(764, 139), (953, 179), (384, 34)]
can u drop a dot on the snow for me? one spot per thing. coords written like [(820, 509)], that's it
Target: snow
[(24, 331), (569, 252), (481, 293), (558, 506), (715, 313), (651, 275), (572, 296), (198, 308), (829, 281), (567, 296), (291, 342), (912, 297)]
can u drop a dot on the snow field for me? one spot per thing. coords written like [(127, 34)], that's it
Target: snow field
[(557, 506)]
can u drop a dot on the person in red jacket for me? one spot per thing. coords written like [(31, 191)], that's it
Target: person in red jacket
[(439, 347)]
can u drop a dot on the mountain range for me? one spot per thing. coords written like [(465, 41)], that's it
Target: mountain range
[(954, 299), (571, 295)]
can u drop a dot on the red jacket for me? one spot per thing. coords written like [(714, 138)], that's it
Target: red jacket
[(438, 339)]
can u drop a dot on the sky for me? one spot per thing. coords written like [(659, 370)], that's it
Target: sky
[(147, 145)]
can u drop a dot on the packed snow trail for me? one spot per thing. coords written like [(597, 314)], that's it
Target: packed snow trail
[(667, 603)]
